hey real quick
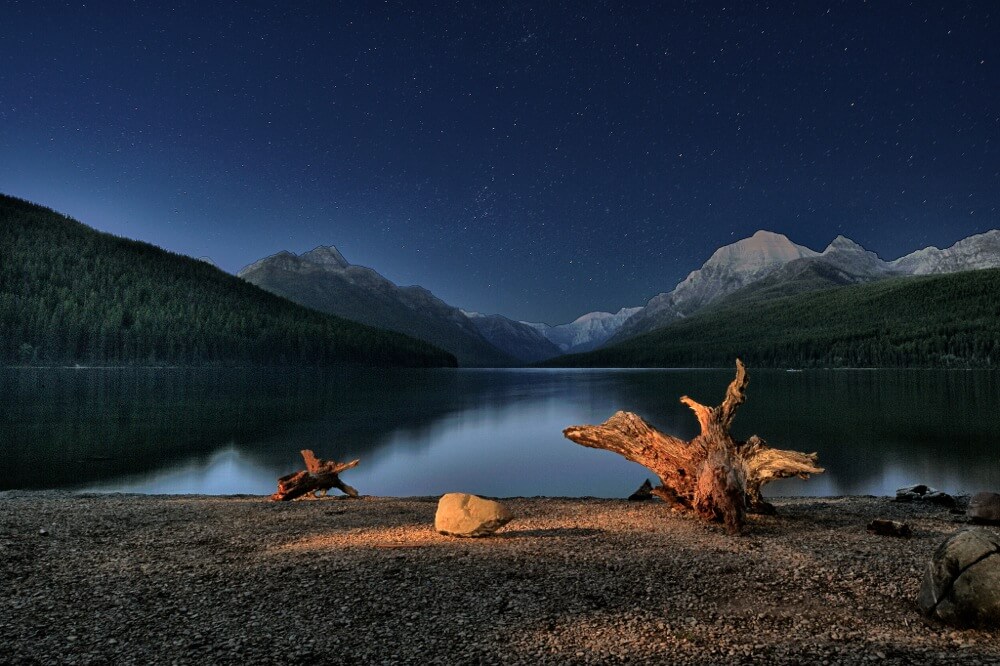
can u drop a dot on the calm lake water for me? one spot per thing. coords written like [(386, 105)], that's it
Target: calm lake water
[(491, 432)]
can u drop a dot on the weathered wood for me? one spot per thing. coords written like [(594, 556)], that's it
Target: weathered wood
[(318, 477), (712, 475)]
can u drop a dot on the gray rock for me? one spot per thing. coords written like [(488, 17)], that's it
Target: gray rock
[(464, 515), (962, 583), (923, 493), (984, 508), (913, 493)]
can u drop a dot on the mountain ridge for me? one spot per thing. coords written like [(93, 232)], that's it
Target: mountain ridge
[(948, 320), (773, 267)]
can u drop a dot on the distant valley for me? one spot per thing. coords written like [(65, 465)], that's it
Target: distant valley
[(324, 280), (587, 332)]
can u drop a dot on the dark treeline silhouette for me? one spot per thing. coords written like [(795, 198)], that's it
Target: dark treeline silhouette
[(70, 294), (938, 321)]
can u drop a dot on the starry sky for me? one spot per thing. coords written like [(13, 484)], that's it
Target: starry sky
[(540, 160)]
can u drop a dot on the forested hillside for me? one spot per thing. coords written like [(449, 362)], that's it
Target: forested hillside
[(70, 294), (942, 321)]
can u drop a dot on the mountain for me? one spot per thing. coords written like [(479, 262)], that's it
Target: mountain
[(729, 269), (587, 332), (843, 262), (324, 280), (70, 294), (853, 260), (923, 321), (972, 253), (518, 339), (768, 265)]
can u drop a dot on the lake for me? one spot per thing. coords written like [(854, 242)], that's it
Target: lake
[(490, 432)]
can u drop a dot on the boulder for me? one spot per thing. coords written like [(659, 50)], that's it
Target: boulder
[(962, 583), (464, 515), (984, 508)]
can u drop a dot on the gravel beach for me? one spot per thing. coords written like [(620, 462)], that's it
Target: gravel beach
[(192, 579)]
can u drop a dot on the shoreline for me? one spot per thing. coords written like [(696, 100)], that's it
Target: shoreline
[(123, 578)]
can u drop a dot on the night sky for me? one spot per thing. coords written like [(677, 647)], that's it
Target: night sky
[(539, 162)]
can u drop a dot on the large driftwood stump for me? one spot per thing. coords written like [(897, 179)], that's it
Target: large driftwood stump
[(713, 475), (318, 477)]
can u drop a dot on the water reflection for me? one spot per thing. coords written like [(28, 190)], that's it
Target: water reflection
[(227, 471), (424, 432)]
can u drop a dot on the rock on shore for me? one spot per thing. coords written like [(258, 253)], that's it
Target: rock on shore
[(464, 515)]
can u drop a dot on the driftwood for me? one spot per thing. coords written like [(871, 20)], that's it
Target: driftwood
[(713, 475), (315, 480)]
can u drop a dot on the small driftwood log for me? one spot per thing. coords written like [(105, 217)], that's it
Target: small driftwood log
[(713, 475), (315, 480)]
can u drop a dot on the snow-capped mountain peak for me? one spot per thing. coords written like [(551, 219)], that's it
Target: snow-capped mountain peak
[(587, 331), (762, 250), (729, 269), (734, 266)]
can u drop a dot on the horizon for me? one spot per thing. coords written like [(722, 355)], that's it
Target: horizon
[(536, 162)]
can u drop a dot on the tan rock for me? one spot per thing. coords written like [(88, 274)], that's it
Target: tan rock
[(464, 515)]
